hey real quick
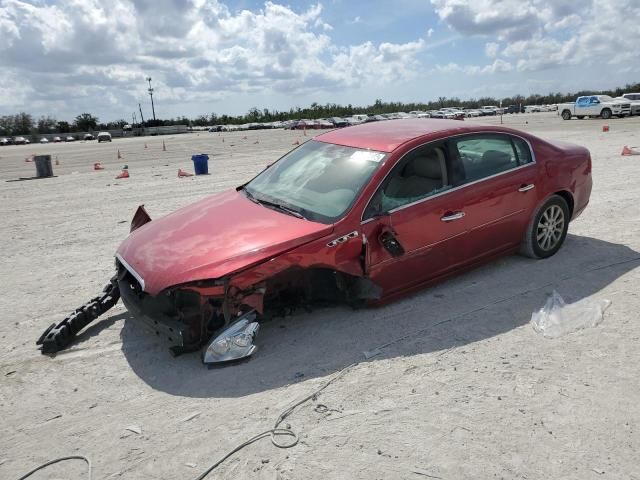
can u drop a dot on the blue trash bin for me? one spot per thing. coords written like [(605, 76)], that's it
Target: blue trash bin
[(201, 164)]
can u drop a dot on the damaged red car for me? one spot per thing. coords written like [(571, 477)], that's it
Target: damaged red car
[(360, 216)]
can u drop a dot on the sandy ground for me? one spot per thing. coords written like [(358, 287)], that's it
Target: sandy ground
[(472, 392)]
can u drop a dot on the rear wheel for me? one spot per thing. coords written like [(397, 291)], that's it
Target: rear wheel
[(547, 229), (566, 115), (606, 114)]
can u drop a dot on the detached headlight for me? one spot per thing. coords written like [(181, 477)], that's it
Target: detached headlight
[(235, 342)]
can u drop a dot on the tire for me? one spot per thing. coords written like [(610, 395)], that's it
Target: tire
[(605, 113), (566, 115), (580, 117), (547, 229)]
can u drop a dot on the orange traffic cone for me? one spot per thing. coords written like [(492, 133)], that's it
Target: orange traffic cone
[(182, 173), (164, 147), (123, 174), (98, 166), (119, 156), (629, 151), (605, 128)]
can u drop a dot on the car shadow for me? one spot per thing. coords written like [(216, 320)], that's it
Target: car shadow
[(473, 306)]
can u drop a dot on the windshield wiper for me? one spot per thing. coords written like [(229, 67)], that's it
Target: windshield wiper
[(277, 206), (282, 208), (248, 194)]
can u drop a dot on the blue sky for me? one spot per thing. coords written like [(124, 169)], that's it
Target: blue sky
[(65, 57)]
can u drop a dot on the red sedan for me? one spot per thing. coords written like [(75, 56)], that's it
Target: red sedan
[(359, 215)]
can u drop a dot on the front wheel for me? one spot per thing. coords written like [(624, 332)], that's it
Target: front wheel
[(547, 229), (606, 114), (566, 115)]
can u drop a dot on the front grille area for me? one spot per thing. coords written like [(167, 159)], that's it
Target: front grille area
[(175, 315)]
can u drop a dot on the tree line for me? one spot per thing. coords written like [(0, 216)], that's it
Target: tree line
[(24, 124)]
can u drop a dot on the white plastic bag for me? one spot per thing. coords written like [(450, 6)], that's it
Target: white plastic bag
[(557, 318)]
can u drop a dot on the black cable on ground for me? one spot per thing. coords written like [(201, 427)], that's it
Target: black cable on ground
[(275, 431), (57, 460)]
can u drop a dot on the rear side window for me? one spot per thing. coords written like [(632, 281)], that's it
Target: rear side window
[(485, 155)]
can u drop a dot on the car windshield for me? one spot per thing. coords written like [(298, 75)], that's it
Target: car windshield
[(317, 180)]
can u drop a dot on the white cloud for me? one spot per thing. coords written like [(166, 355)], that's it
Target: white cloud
[(498, 66), (429, 32), (491, 49), (195, 50), (539, 34)]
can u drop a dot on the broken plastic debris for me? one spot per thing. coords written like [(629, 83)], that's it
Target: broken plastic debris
[(134, 429), (372, 353), (557, 318), (191, 417)]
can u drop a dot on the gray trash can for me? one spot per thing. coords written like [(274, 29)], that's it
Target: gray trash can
[(43, 166)]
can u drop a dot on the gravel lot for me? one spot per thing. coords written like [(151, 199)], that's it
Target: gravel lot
[(471, 392)]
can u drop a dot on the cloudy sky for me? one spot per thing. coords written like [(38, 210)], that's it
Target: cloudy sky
[(64, 57)]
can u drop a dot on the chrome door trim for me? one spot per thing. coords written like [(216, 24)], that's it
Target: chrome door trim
[(459, 187)]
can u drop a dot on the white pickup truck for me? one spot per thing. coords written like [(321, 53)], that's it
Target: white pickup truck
[(633, 99), (594, 106)]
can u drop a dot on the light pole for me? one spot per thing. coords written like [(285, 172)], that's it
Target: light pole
[(150, 90)]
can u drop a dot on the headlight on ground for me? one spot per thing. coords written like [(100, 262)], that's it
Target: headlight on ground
[(235, 342)]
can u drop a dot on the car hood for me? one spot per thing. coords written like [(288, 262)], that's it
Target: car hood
[(212, 238)]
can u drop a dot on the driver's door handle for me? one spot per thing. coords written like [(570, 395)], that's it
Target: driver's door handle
[(526, 188), (452, 216)]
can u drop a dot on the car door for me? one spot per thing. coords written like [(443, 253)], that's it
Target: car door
[(499, 175), (583, 106), (413, 223)]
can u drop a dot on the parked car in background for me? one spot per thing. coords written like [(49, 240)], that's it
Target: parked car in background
[(338, 122), (44, 140), (88, 136), (69, 139), (359, 215), (57, 140), (5, 141), (515, 109), (488, 110), (634, 101), (20, 141), (594, 106), (104, 137)]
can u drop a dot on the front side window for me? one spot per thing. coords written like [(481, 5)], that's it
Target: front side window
[(419, 175), (485, 155), (317, 180)]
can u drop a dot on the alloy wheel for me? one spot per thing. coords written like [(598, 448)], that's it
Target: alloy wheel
[(550, 228)]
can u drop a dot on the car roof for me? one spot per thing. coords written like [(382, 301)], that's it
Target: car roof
[(387, 136)]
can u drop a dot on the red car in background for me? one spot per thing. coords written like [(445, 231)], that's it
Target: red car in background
[(359, 215)]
